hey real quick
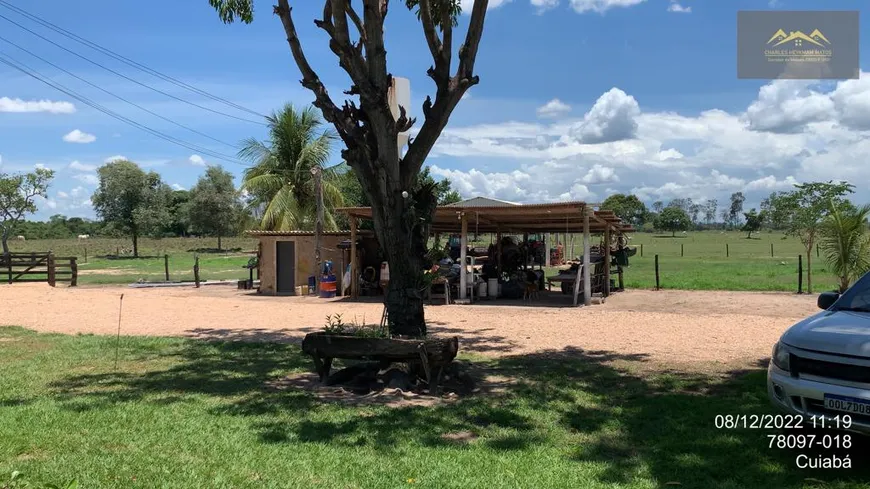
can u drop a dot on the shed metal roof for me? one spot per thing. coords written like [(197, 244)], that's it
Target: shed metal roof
[(256, 233), (547, 218), (481, 202)]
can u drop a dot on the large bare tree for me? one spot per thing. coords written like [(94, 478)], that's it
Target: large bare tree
[(369, 131)]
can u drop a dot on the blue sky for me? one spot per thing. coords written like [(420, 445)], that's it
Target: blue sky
[(578, 98)]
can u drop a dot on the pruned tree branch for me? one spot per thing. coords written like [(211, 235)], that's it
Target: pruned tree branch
[(354, 17), (468, 51), (429, 29), (374, 13), (449, 90)]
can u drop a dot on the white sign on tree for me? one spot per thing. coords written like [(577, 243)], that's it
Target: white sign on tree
[(400, 95)]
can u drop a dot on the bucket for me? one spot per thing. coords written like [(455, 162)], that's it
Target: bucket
[(328, 287), (300, 290), (385, 274), (312, 284), (481, 289), (492, 287)]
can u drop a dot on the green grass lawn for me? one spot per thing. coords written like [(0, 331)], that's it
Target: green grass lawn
[(182, 413)]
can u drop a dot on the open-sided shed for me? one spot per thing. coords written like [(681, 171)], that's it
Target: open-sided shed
[(559, 217)]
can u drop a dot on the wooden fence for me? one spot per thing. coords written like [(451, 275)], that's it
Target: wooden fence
[(38, 267)]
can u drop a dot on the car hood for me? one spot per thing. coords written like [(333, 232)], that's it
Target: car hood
[(838, 332)]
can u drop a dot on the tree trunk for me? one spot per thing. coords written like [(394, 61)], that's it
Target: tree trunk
[(749, 236), (673, 234), (404, 299), (219, 243), (396, 236), (4, 238), (135, 244)]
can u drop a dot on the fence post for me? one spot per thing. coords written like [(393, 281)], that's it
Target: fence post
[(86, 253), (658, 285), (727, 251), (800, 274), (52, 279), (74, 269), (817, 250), (771, 250), (196, 270), (641, 250), (682, 251), (166, 266), (8, 258)]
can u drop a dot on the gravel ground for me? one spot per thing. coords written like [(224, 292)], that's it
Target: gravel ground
[(712, 330)]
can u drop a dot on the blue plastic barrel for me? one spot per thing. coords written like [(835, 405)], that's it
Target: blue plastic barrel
[(328, 286)]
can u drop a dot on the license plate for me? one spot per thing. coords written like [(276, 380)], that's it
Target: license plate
[(847, 404)]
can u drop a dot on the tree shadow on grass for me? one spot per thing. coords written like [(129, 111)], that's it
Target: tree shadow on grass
[(127, 257), (223, 370), (205, 251), (630, 420)]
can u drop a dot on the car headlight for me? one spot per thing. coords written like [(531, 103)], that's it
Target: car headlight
[(780, 356)]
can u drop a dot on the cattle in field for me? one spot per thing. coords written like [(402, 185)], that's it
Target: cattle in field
[(20, 238), (84, 236)]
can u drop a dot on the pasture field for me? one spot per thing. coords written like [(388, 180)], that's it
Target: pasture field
[(702, 266), (705, 266), (110, 260)]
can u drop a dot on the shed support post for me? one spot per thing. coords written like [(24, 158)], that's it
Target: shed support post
[(498, 251), (354, 273), (463, 246), (587, 285), (547, 250), (607, 261)]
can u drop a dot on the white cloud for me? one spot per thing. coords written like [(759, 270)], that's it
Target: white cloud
[(788, 106), (196, 160), (468, 4), (612, 118), (554, 108), (600, 174), (112, 159), (792, 132), (77, 136), (544, 5), (75, 165), (40, 166), (601, 6), (78, 191), (17, 105), (176, 186), (88, 179), (771, 184), (677, 8), (62, 195)]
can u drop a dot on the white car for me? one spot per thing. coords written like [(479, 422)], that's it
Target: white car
[(820, 368)]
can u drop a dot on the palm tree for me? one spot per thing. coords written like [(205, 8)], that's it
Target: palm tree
[(845, 242), (281, 182)]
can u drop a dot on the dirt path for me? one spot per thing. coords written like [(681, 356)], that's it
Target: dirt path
[(711, 328)]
